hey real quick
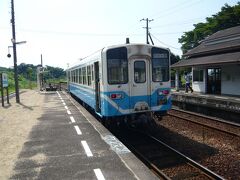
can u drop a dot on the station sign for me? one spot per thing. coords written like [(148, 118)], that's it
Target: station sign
[(4, 80)]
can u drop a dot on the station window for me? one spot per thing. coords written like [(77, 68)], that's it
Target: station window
[(139, 72), (160, 65), (117, 66), (198, 75)]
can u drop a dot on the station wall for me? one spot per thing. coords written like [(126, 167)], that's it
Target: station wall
[(230, 80)]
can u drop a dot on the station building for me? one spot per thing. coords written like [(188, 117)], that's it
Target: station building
[(215, 64)]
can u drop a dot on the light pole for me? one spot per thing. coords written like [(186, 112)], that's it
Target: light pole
[(15, 52), (15, 67)]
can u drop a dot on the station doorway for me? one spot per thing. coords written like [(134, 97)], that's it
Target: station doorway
[(214, 81)]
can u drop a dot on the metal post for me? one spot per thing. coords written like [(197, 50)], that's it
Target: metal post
[(7, 95), (15, 54), (177, 80), (147, 31), (1, 80)]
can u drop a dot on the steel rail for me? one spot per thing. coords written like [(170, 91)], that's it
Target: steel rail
[(194, 164), (205, 125), (208, 117), (188, 160), (151, 166)]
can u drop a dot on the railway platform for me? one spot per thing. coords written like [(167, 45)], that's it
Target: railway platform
[(222, 106), (61, 140)]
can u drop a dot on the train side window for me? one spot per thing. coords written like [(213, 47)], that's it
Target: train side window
[(73, 75), (80, 76), (77, 76), (84, 75), (89, 79), (160, 65), (117, 66), (92, 70), (139, 72)]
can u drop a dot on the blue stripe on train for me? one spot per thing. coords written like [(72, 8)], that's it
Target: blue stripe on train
[(116, 107)]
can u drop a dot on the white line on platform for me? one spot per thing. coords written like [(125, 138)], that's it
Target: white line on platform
[(78, 130), (62, 100), (69, 112), (72, 119), (64, 103), (220, 97), (99, 174), (86, 148), (66, 107)]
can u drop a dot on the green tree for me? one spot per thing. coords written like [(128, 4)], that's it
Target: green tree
[(29, 74), (228, 17)]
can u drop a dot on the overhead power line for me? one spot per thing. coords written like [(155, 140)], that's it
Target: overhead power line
[(173, 10), (165, 43)]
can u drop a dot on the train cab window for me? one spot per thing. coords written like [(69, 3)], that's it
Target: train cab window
[(139, 72), (117, 66), (160, 65)]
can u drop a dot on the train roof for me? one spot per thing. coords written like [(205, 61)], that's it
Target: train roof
[(98, 53)]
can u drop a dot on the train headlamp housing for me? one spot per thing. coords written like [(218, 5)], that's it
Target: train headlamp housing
[(163, 92), (116, 95), (162, 97)]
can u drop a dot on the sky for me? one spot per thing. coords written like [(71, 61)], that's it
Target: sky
[(64, 31)]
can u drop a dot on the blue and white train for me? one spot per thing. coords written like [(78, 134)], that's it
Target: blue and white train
[(123, 80)]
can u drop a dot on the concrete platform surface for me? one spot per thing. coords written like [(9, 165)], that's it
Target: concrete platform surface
[(66, 142)]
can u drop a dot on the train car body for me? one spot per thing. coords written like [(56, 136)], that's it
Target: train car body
[(123, 80)]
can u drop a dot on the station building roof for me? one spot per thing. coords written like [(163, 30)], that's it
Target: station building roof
[(220, 48), (218, 59)]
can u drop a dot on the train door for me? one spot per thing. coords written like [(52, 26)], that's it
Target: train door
[(139, 85), (97, 88)]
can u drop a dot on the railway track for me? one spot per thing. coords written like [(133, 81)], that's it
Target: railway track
[(226, 127), (163, 160)]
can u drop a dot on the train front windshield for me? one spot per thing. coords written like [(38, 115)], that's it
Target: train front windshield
[(117, 66), (160, 65)]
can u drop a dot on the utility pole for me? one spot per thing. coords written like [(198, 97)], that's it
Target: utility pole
[(14, 53), (147, 28)]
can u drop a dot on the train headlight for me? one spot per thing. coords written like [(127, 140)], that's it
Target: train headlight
[(163, 92), (116, 96)]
